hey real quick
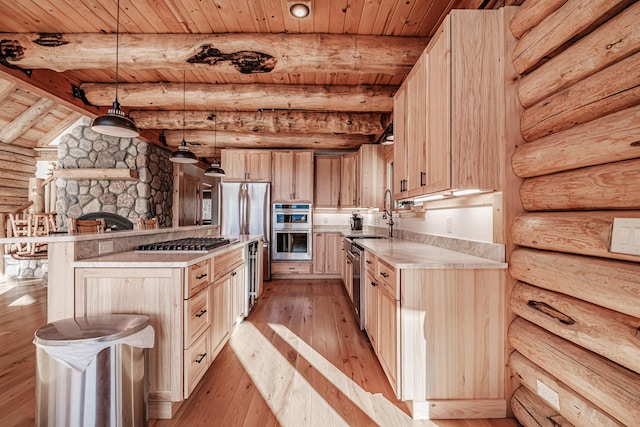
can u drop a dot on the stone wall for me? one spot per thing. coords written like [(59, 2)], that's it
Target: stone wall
[(151, 195)]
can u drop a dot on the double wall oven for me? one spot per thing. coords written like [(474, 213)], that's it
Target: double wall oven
[(292, 232)]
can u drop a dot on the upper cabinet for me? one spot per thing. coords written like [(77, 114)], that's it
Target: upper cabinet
[(351, 180), (292, 176), (448, 118), (348, 181), (247, 165), (327, 182), (370, 176)]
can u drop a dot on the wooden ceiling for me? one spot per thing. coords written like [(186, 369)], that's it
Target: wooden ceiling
[(269, 79)]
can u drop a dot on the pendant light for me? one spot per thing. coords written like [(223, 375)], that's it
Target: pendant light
[(183, 154), (115, 122), (215, 169)]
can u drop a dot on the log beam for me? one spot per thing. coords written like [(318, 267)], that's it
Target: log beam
[(613, 388), (573, 407), (608, 139), (531, 13), (263, 121), (608, 186), (26, 120), (605, 332), (243, 97), (616, 39), (202, 142), (607, 283), (219, 53), (531, 411), (582, 233), (608, 91), (569, 21)]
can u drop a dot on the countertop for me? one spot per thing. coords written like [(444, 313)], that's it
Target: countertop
[(66, 237), (412, 255), (161, 259)]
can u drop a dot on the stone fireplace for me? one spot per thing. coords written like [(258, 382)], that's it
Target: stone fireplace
[(145, 197)]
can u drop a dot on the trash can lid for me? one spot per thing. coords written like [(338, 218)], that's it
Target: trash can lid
[(88, 329)]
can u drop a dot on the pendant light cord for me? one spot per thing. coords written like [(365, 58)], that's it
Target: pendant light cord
[(184, 101), (117, 44)]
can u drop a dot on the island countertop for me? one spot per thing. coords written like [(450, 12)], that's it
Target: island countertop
[(405, 254), (161, 259)]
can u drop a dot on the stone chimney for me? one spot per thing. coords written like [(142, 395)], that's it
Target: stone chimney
[(148, 196)]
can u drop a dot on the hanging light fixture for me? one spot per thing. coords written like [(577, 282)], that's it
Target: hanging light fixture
[(215, 169), (183, 154), (115, 122)]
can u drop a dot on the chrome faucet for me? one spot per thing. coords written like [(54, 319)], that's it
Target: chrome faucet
[(388, 213)]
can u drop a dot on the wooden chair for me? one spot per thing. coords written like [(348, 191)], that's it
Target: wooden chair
[(81, 226), (148, 224)]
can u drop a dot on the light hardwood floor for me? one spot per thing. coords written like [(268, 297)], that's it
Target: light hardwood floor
[(298, 360)]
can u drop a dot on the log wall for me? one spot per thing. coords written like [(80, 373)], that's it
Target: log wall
[(17, 166), (576, 337)]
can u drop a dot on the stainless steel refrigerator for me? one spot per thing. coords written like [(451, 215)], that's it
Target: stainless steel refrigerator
[(245, 208)]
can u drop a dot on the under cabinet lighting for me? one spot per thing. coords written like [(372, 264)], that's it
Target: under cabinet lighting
[(300, 10), (430, 198), (466, 192)]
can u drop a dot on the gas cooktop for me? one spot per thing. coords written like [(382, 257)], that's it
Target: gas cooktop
[(194, 244)]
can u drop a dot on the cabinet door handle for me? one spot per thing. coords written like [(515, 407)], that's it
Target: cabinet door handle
[(202, 276), (202, 312), (423, 182), (383, 274), (201, 358), (234, 273), (348, 262), (374, 284), (368, 262)]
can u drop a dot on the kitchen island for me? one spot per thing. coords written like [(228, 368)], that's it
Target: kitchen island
[(64, 249), (193, 300)]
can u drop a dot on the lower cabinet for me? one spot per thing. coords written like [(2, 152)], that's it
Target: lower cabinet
[(439, 336), (238, 295), (220, 292), (326, 253)]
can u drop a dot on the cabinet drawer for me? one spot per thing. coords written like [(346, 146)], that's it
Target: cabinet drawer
[(197, 278), (387, 277), (224, 263), (370, 262), (197, 316), (291, 267), (196, 362)]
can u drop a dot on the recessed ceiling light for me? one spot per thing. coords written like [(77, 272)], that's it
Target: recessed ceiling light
[(299, 10)]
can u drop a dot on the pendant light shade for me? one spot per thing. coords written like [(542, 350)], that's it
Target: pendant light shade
[(183, 154), (215, 169), (115, 122)]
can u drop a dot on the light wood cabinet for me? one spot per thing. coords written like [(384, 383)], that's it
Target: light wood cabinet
[(371, 309), (154, 292), (286, 268), (246, 165), (400, 150), (417, 319), (327, 181), (197, 359), (447, 123), (348, 181), (238, 295), (327, 252), (221, 318), (370, 176), (292, 176)]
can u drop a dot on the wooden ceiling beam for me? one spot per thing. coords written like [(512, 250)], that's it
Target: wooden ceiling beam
[(220, 53), (6, 87), (26, 120), (243, 97), (57, 130), (203, 142), (262, 121)]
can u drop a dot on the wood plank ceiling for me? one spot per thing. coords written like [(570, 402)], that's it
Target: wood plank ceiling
[(271, 80)]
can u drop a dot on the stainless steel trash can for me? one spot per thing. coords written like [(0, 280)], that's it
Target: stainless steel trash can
[(92, 371)]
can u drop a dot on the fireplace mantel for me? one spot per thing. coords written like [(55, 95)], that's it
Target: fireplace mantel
[(95, 173)]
